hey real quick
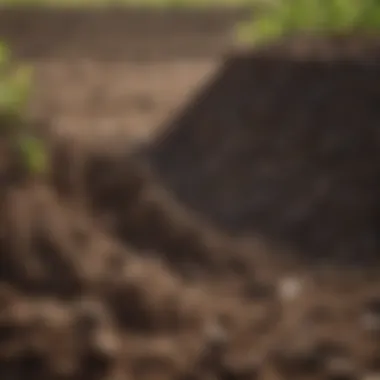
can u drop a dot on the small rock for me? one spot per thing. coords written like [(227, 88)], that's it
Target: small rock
[(290, 288)]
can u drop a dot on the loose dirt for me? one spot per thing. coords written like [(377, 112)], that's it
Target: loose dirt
[(106, 272)]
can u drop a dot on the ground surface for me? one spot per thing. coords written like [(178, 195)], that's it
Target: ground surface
[(104, 275)]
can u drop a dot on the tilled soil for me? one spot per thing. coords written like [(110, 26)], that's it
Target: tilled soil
[(113, 100), (132, 287), (119, 34), (104, 274)]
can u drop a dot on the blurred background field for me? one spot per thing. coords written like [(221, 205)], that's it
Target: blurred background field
[(134, 3)]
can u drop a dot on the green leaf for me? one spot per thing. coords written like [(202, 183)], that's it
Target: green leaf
[(369, 17), (267, 29), (326, 16), (21, 81), (15, 91), (5, 55), (342, 14), (34, 154), (9, 99)]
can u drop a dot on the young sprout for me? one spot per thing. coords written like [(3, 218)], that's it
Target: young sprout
[(15, 87), (291, 17)]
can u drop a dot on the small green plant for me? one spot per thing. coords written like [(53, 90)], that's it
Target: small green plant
[(291, 17), (15, 86)]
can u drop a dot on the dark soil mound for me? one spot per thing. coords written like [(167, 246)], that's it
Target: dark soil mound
[(284, 142)]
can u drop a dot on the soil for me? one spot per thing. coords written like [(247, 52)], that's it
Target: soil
[(300, 165), (104, 273)]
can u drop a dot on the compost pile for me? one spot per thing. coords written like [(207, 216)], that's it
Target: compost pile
[(285, 142), (105, 275)]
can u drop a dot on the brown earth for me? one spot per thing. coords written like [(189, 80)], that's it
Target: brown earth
[(118, 34), (103, 274)]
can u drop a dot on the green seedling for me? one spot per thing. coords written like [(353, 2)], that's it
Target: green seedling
[(329, 17), (15, 88), (33, 153)]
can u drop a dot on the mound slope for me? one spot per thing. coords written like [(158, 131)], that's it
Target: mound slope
[(284, 142)]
